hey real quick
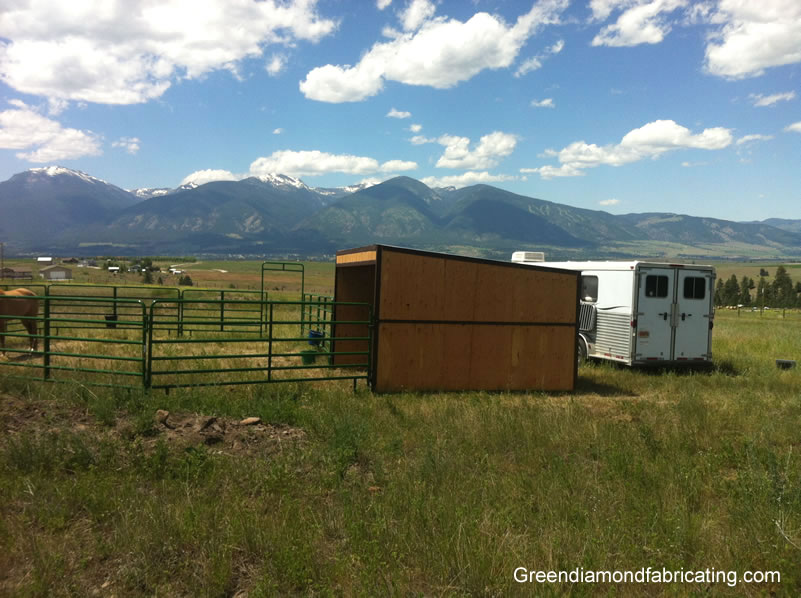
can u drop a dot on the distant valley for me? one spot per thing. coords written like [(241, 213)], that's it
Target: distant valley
[(66, 212)]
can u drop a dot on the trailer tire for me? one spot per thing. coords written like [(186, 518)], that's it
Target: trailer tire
[(581, 353)]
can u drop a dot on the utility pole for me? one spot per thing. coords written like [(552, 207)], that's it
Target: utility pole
[(2, 263)]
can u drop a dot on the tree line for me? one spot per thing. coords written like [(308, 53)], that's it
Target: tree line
[(780, 292)]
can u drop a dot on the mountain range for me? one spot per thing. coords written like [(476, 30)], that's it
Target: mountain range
[(62, 211)]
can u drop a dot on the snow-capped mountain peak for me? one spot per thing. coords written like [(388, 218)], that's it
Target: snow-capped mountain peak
[(282, 180), (53, 171), (148, 192)]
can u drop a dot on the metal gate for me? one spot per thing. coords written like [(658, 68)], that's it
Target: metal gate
[(133, 343)]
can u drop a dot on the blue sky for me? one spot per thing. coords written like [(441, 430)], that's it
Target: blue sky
[(620, 105)]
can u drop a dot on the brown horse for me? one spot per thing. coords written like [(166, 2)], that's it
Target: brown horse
[(16, 304)]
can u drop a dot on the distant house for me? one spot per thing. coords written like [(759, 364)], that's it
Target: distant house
[(55, 273), (113, 269), (44, 260), (17, 274), (70, 260)]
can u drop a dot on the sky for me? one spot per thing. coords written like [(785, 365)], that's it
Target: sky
[(616, 105)]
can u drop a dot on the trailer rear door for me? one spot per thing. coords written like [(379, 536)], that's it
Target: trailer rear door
[(655, 297), (692, 315)]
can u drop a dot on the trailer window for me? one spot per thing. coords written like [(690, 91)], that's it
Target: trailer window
[(656, 286), (694, 287), (589, 289)]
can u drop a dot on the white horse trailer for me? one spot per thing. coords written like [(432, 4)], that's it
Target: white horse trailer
[(643, 313)]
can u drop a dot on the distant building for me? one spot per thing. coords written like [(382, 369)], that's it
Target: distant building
[(44, 260), (16, 274), (70, 260), (55, 273)]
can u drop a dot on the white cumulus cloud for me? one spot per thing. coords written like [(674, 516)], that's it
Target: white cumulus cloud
[(130, 52), (468, 178), (546, 103), (416, 13), (649, 141), (441, 53), (315, 162), (609, 202), (201, 177), (753, 36), (640, 22), (398, 114), (44, 139), (490, 149), (795, 127)]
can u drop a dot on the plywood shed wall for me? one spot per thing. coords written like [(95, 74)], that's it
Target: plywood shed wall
[(448, 323)]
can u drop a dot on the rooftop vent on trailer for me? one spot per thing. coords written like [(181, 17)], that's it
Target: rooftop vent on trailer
[(528, 256)]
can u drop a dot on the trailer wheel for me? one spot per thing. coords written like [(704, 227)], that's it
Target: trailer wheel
[(581, 356)]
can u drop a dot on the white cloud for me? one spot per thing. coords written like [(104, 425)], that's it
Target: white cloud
[(382, 4), (754, 36), (417, 12), (531, 64), (278, 131), (535, 62), (276, 65), (609, 202), (466, 179), (201, 177), (796, 127), (649, 141), (23, 128), (398, 114), (699, 13), (441, 53), (314, 162), (761, 101), (129, 144), (546, 103), (751, 138), (641, 22), (420, 140), (490, 149), (130, 52), (415, 128), (398, 166)]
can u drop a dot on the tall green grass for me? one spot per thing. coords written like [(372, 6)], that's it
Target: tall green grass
[(410, 494)]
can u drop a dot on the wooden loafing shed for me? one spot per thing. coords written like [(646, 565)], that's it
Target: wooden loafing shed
[(444, 322)]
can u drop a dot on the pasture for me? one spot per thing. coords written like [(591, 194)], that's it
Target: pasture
[(108, 491)]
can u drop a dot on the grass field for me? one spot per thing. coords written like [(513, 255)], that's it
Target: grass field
[(353, 494), (344, 493)]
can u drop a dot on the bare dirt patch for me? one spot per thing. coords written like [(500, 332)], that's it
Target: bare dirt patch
[(226, 435)]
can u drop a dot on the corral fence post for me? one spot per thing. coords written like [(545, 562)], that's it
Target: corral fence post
[(270, 346), (46, 339), (148, 377), (222, 311)]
